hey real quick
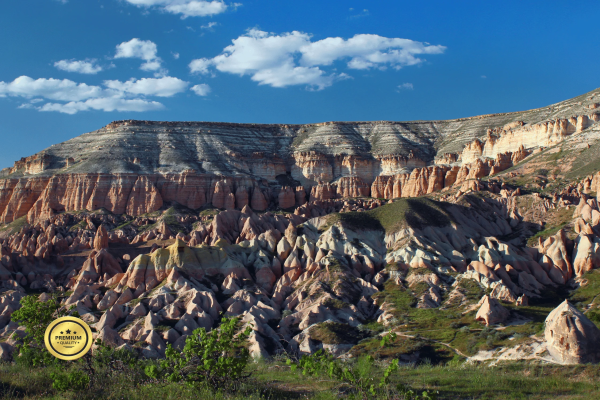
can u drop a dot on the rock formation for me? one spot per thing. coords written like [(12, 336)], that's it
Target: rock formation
[(309, 233), (491, 311), (572, 338)]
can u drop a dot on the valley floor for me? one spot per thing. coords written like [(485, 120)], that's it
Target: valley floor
[(273, 380)]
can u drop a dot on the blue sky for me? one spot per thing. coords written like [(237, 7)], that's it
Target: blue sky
[(73, 66)]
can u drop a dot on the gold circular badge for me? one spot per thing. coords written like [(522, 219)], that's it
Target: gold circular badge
[(68, 338)]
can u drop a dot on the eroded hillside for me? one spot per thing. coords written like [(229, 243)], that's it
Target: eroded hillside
[(459, 236)]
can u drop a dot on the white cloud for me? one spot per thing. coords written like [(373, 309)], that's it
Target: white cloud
[(201, 65), (201, 90), (197, 8), (161, 87), (153, 65), (367, 51), (82, 67), (363, 13), (185, 8), (52, 89), (175, 55), (293, 59), (107, 104), (70, 97), (143, 49), (287, 75), (136, 48), (405, 86), (210, 25)]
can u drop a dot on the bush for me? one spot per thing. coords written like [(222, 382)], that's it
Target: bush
[(214, 360), (388, 339), (108, 362), (36, 315), (359, 376), (75, 380), (83, 373)]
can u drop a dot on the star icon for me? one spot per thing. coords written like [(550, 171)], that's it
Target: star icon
[(68, 332)]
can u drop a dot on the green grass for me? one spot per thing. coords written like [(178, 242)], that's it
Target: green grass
[(451, 325), (169, 216), (545, 234), (335, 303), (557, 221), (416, 212), (335, 333), (586, 162), (80, 225), (588, 295), (471, 289), (15, 226), (275, 381), (210, 212), (123, 225)]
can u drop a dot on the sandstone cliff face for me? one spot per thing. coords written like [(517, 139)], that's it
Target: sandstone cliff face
[(136, 167), (41, 197), (517, 136)]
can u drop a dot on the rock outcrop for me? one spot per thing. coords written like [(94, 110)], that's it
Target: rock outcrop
[(571, 337), (491, 312)]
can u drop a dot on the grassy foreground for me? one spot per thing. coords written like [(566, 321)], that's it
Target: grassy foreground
[(274, 380)]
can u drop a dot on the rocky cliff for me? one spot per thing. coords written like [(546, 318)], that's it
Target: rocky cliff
[(138, 166)]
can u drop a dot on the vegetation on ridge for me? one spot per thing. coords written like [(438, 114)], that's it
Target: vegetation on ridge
[(417, 212)]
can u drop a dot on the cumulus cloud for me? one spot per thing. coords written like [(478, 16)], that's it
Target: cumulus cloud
[(293, 59), (71, 97), (143, 49), (185, 8), (107, 104), (201, 90), (52, 89), (405, 86), (162, 87), (83, 67), (201, 65)]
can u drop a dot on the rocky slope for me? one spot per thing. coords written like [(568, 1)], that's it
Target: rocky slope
[(463, 237)]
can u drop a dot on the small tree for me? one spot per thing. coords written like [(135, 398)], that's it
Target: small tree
[(82, 374), (36, 315), (213, 360), (95, 370)]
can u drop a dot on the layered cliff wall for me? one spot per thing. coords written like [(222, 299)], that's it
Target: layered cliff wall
[(135, 167)]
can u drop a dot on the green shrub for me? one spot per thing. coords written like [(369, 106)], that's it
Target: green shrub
[(215, 360), (388, 339), (36, 315), (359, 376), (74, 380)]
